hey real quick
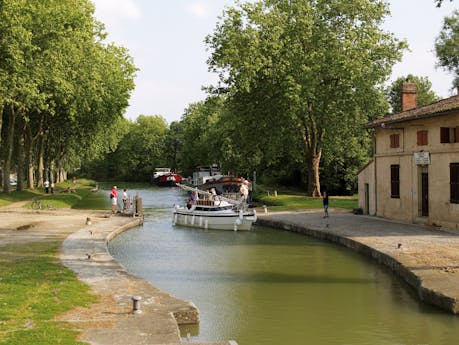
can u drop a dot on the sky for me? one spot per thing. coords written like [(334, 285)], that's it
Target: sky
[(166, 41)]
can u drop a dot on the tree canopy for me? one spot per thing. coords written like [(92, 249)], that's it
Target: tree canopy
[(302, 72), (61, 86), (447, 45), (425, 95)]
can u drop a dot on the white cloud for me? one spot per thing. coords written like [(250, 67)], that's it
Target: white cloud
[(112, 10), (199, 9)]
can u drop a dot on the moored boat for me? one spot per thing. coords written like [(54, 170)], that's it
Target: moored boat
[(223, 184), (219, 213), (164, 177)]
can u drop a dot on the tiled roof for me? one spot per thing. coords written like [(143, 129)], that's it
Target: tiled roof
[(443, 107)]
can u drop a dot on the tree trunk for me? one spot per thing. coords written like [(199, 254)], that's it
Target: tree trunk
[(8, 150), (41, 165), (20, 159), (1, 123), (312, 156), (29, 159)]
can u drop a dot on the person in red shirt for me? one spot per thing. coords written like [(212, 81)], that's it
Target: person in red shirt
[(114, 198)]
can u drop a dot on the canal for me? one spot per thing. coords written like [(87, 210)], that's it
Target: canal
[(272, 287)]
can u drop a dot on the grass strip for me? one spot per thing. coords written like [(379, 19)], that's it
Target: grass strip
[(285, 202), (34, 289)]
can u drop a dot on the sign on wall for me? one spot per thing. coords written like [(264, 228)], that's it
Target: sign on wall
[(422, 158)]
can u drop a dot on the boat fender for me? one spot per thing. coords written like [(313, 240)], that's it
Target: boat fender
[(254, 215), (175, 219), (241, 214), (238, 222)]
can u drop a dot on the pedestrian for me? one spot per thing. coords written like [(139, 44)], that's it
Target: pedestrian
[(325, 201), (46, 185), (74, 180), (125, 200), (114, 198), (244, 190), (52, 187)]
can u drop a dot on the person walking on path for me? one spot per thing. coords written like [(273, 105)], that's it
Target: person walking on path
[(52, 187), (325, 201), (114, 198)]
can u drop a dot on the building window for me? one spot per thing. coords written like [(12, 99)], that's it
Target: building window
[(454, 182), (395, 181), (422, 138), (394, 141), (449, 135)]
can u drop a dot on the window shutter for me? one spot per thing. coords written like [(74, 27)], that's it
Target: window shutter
[(394, 140), (444, 135), (454, 182), (395, 181), (422, 138)]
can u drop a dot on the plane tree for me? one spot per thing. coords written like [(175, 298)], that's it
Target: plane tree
[(447, 46), (321, 64), (62, 86), (424, 94)]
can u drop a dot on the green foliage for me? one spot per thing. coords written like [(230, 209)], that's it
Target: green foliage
[(62, 86), (201, 135), (447, 45), (300, 75), (439, 2), (424, 95), (140, 149), (35, 289)]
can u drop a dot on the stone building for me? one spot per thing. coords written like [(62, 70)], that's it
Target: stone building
[(414, 174)]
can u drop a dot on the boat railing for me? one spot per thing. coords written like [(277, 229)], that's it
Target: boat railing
[(203, 192)]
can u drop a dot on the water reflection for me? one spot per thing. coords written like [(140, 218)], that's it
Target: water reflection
[(274, 287)]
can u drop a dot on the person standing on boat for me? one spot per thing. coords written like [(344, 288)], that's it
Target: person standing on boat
[(244, 190)]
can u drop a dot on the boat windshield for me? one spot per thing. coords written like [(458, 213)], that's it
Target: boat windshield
[(211, 209)]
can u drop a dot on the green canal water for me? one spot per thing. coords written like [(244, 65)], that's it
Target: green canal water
[(271, 287)]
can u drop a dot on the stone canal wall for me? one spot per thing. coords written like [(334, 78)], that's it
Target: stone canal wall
[(113, 320)]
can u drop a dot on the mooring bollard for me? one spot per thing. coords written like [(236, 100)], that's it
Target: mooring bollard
[(136, 304), (88, 221)]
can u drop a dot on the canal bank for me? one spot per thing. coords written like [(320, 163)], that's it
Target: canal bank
[(112, 320), (424, 257)]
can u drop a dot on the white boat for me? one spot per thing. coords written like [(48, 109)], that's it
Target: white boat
[(221, 214)]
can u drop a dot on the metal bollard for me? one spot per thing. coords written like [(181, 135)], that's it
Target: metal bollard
[(136, 304)]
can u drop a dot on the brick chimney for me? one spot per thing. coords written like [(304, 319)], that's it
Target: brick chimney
[(408, 96)]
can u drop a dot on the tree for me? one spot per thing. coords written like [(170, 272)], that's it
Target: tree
[(425, 95), (447, 45), (303, 70), (439, 2), (141, 149), (61, 87)]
